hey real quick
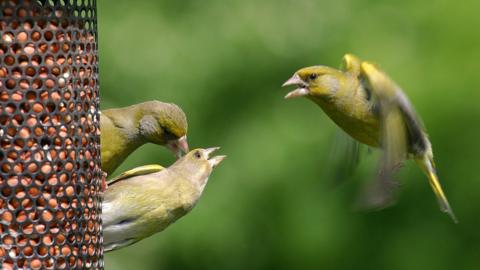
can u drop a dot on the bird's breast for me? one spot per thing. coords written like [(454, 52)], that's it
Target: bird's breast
[(355, 117)]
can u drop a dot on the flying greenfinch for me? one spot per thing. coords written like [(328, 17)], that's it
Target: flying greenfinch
[(125, 129), (369, 106), (146, 200)]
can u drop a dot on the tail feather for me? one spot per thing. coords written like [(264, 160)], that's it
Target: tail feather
[(442, 199), (428, 167)]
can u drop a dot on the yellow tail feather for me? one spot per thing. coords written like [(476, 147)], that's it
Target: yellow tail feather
[(437, 189)]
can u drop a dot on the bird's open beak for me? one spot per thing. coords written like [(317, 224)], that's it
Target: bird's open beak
[(302, 89), (179, 146), (214, 161)]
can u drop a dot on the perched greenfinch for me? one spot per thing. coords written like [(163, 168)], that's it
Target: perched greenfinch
[(369, 106), (146, 200), (126, 129)]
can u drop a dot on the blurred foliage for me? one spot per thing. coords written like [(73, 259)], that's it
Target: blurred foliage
[(269, 205)]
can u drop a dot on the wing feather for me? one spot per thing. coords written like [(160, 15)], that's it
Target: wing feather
[(401, 132), (142, 170)]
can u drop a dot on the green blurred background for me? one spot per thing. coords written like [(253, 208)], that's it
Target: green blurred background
[(270, 204)]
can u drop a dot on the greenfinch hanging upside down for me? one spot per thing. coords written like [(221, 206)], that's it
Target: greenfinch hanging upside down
[(369, 106)]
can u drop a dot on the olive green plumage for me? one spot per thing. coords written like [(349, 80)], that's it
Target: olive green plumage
[(125, 129), (369, 106), (146, 200)]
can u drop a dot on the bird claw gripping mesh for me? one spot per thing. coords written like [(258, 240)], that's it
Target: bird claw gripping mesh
[(50, 176)]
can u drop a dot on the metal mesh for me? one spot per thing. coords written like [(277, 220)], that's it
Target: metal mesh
[(49, 127)]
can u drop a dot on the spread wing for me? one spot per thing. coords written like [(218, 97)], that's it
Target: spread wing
[(142, 170)]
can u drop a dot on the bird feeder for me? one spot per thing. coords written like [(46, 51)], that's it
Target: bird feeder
[(50, 172)]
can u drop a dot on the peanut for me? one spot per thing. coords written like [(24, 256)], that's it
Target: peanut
[(22, 37)]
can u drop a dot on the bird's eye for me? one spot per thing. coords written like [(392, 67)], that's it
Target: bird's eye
[(198, 155), (313, 76)]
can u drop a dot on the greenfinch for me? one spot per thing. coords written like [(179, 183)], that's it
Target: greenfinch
[(369, 106), (125, 129), (146, 200)]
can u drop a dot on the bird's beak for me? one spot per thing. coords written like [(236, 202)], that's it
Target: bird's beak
[(179, 146), (210, 150), (302, 89), (216, 159)]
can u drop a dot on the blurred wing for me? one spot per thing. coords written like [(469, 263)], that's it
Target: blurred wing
[(397, 118), (391, 99), (344, 157), (142, 170), (383, 191)]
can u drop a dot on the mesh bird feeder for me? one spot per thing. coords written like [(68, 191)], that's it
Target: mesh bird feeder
[(50, 171)]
